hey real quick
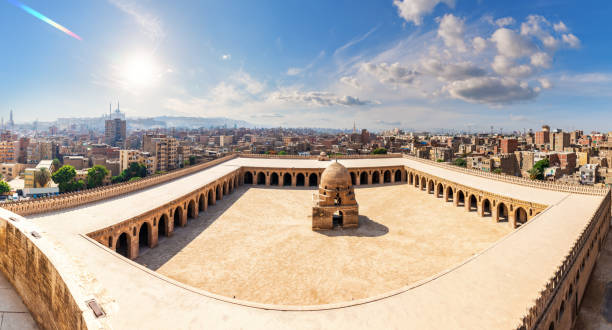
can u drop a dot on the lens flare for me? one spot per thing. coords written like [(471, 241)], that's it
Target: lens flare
[(44, 18)]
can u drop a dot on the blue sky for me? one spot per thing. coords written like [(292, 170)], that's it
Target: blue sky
[(416, 64)]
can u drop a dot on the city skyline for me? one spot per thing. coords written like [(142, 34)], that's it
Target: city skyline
[(462, 65)]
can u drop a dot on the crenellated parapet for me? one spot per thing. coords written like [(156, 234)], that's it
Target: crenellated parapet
[(69, 200)]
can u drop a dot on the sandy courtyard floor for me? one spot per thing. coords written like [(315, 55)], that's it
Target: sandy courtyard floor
[(257, 245)]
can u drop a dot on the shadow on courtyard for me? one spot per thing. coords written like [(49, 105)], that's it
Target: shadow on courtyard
[(367, 228), (168, 247)]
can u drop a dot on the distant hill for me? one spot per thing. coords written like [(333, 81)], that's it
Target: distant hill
[(184, 122)]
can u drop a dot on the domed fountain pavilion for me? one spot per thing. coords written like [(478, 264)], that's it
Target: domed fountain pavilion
[(335, 205)]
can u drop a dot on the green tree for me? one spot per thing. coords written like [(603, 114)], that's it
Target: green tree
[(497, 171), (379, 151), (136, 178), (42, 177), (537, 171), (55, 163), (64, 177), (4, 187), (282, 153), (460, 162), (192, 159), (440, 160), (96, 175)]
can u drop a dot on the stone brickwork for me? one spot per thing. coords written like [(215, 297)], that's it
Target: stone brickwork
[(41, 278)]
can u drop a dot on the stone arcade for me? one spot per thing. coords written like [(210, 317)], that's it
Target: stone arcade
[(335, 204)]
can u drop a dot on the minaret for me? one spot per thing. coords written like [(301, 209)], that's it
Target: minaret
[(354, 127)]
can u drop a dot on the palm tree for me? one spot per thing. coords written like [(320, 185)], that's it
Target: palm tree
[(42, 177)]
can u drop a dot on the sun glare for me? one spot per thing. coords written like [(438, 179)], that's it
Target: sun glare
[(140, 71)]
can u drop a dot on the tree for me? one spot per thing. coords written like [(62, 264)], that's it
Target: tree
[(96, 175), (55, 163), (460, 162), (497, 171), (379, 151), (4, 187), (192, 159), (42, 177), (64, 177), (282, 152), (136, 178), (537, 171)]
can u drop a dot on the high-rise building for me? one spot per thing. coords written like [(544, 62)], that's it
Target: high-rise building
[(115, 129), (164, 149)]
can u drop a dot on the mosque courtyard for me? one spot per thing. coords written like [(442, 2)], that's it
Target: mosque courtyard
[(257, 245)]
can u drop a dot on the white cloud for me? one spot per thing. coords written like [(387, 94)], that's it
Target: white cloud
[(541, 59), (539, 27), (247, 82), (506, 67), (451, 71), (150, 24), (560, 27), (226, 57), (414, 10), (504, 21), (391, 74), (293, 71), (350, 81), (451, 31), (315, 98), (353, 42), (545, 83), (491, 90), (511, 44), (479, 44), (571, 40)]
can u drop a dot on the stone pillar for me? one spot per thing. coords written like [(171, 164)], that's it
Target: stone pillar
[(495, 213), (170, 227), (254, 174), (445, 194), (456, 198), (357, 179), (479, 209), (392, 174), (293, 179), (133, 247), (183, 219), (281, 179), (467, 203), (370, 178), (267, 179), (512, 219), (196, 211), (153, 236)]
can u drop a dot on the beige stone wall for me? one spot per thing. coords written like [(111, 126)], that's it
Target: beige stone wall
[(32, 268), (558, 303), (169, 215), (247, 155), (576, 189)]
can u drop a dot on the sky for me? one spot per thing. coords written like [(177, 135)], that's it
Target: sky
[(462, 65)]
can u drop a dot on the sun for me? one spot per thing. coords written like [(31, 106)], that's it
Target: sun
[(140, 70)]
